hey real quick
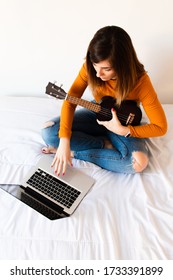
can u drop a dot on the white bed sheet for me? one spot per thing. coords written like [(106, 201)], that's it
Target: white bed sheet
[(123, 216)]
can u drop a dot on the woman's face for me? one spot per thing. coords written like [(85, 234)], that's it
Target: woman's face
[(104, 70)]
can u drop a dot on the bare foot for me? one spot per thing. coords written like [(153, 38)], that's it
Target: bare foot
[(49, 150), (52, 150)]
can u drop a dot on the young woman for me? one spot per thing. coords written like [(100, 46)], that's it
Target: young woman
[(111, 69)]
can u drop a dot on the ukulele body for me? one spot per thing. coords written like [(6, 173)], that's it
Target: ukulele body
[(128, 112)]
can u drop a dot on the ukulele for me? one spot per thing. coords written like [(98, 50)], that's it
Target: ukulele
[(128, 112)]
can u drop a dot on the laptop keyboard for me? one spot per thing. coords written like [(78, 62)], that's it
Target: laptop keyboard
[(53, 188)]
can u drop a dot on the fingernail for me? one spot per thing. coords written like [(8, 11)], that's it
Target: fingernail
[(63, 174), (113, 109)]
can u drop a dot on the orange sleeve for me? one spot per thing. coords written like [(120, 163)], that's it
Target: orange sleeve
[(157, 123), (67, 112)]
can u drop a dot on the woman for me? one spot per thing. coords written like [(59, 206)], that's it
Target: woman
[(111, 69)]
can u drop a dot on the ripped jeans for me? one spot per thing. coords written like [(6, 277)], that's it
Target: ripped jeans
[(87, 143)]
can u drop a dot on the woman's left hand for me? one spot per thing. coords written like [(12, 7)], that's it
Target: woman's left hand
[(114, 124)]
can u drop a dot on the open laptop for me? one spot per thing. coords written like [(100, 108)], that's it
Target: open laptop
[(51, 195)]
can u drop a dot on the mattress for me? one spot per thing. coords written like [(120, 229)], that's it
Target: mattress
[(123, 217)]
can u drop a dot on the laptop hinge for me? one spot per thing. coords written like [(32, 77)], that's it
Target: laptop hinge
[(44, 200)]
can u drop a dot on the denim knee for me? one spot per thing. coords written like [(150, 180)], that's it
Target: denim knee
[(50, 136), (45, 134)]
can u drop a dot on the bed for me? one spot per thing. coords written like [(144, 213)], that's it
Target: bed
[(123, 217)]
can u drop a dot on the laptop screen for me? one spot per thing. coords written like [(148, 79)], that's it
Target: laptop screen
[(37, 205)]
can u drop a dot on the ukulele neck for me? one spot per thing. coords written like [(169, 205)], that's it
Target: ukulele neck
[(84, 103)]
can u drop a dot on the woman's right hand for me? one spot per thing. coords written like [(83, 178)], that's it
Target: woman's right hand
[(62, 157)]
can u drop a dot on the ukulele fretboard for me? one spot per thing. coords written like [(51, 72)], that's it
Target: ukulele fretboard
[(84, 103)]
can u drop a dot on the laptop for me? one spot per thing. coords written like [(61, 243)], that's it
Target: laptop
[(54, 196)]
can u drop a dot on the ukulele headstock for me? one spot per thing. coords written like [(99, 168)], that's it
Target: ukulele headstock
[(55, 91)]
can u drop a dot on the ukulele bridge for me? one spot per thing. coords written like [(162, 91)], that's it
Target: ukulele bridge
[(130, 118)]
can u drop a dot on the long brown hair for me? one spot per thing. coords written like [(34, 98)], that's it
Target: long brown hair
[(112, 43)]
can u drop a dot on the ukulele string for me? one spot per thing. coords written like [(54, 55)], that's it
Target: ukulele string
[(107, 113), (104, 111)]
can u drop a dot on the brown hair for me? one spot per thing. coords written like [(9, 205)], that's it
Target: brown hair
[(112, 43)]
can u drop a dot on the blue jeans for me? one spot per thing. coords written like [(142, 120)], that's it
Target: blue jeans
[(87, 142)]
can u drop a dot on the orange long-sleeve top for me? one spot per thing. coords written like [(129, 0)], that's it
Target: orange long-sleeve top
[(143, 93)]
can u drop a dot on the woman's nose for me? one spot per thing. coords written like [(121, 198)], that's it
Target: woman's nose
[(98, 72)]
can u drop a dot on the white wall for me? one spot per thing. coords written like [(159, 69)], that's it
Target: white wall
[(46, 40)]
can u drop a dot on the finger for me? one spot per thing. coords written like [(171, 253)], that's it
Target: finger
[(56, 163), (70, 162), (113, 112), (53, 162), (58, 167), (101, 122), (64, 167)]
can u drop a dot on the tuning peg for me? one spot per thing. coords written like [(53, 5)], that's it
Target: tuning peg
[(55, 82)]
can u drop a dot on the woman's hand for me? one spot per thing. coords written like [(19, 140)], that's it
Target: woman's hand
[(114, 125), (62, 157)]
